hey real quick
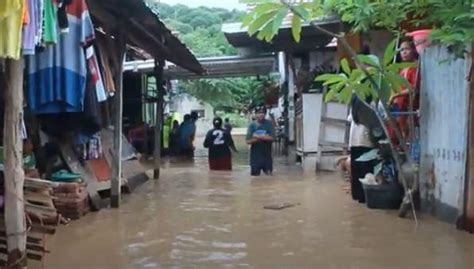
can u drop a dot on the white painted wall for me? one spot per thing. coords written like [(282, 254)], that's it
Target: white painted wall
[(185, 104), (444, 132)]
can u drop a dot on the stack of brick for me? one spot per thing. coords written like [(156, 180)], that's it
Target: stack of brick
[(71, 200)]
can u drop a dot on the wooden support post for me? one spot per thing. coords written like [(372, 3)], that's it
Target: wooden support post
[(469, 189), (159, 66), (115, 190), (15, 223)]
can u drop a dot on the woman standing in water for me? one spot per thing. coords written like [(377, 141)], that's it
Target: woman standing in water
[(219, 142)]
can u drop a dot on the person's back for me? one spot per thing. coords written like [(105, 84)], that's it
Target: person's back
[(186, 133), (219, 143)]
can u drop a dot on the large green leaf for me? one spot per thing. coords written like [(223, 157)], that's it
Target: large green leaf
[(397, 81), (369, 60), (279, 17), (296, 28), (330, 95), (329, 77), (396, 67), (266, 7), (345, 95), (249, 17), (345, 66), (260, 22), (356, 75), (389, 53), (363, 90), (266, 33), (302, 12), (385, 91)]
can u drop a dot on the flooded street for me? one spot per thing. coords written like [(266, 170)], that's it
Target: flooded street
[(193, 218)]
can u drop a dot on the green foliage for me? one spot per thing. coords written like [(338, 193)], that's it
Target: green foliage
[(385, 74), (452, 20), (227, 94), (199, 28)]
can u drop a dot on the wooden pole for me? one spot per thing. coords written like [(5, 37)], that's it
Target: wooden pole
[(159, 66), (14, 175), (118, 110)]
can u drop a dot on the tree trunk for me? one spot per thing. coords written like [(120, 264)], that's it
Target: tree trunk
[(14, 175)]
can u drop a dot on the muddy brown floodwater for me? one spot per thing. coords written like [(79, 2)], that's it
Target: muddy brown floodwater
[(193, 218)]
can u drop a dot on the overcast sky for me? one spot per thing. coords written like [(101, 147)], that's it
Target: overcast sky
[(228, 4)]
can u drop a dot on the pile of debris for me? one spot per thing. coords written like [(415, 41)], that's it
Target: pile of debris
[(71, 200), (42, 218)]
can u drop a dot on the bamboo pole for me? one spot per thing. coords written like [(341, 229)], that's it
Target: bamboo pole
[(159, 66), (15, 223), (118, 105)]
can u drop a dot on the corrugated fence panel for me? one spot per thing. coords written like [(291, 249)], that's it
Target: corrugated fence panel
[(444, 130)]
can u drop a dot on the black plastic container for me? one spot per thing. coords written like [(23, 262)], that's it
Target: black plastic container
[(383, 196)]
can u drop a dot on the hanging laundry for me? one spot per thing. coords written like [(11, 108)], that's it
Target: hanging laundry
[(11, 23), (95, 74), (57, 75), (39, 21), (30, 30), (26, 12), (62, 15), (50, 30), (104, 55)]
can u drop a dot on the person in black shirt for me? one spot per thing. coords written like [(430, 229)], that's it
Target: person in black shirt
[(219, 142)]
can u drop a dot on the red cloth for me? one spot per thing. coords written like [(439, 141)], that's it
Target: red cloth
[(403, 101), (221, 163)]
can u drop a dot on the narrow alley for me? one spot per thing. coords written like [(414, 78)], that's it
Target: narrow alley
[(194, 218)]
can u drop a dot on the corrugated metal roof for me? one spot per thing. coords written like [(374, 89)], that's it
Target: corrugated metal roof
[(228, 66), (143, 29), (311, 38)]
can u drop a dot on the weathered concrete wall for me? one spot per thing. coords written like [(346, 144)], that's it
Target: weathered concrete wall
[(444, 132)]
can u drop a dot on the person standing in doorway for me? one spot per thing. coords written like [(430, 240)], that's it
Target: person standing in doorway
[(219, 142), (228, 126), (260, 136)]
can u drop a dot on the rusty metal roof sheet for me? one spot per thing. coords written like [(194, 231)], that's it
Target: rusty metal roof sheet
[(143, 29)]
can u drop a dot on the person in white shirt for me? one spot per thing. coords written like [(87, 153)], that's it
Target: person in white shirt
[(359, 143)]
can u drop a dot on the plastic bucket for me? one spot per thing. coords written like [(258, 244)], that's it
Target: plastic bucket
[(420, 38), (384, 196)]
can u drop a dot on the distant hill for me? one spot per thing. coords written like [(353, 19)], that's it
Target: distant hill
[(199, 28)]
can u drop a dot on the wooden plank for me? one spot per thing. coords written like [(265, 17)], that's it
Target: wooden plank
[(159, 66), (29, 255), (35, 197), (14, 175), (29, 246), (74, 165), (44, 210), (39, 183), (115, 190)]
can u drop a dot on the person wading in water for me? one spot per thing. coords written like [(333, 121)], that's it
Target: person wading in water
[(260, 136), (219, 142)]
